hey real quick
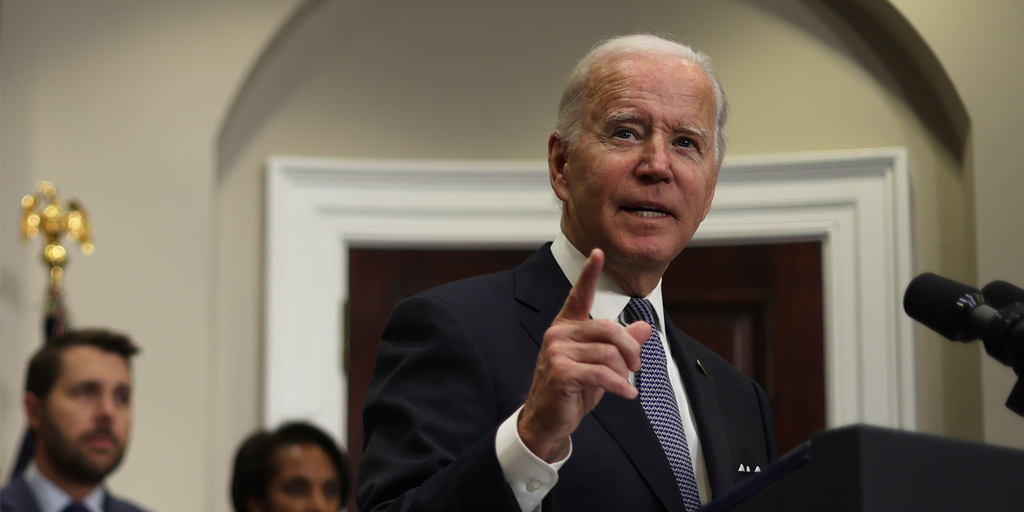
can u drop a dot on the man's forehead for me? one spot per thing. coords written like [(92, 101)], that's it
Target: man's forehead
[(620, 79), (86, 362), (633, 67)]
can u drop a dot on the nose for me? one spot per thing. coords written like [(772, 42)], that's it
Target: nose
[(319, 503), (655, 161), (106, 407)]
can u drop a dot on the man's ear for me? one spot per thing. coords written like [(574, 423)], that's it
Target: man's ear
[(557, 156), (711, 196), (33, 410)]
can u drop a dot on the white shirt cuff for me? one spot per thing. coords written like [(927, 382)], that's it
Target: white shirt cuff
[(530, 477)]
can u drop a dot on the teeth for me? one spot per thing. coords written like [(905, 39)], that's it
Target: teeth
[(649, 213)]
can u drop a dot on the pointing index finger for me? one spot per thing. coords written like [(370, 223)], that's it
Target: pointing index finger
[(581, 297)]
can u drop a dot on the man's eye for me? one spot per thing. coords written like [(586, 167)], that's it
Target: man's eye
[(625, 134), (85, 391), (123, 397), (685, 142)]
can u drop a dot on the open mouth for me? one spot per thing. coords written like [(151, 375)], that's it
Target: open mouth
[(646, 211)]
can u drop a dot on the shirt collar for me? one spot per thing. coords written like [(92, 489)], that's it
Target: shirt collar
[(52, 498), (609, 299)]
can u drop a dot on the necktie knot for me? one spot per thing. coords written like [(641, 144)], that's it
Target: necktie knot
[(639, 309), (74, 506)]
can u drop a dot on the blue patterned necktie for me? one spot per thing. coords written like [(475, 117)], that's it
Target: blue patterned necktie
[(659, 403), (75, 507)]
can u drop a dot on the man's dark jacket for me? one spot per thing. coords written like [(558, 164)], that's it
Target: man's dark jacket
[(457, 360), (17, 497)]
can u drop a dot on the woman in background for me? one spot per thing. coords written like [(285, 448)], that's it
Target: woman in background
[(295, 468)]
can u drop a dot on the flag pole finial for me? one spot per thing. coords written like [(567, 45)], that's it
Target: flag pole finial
[(42, 214)]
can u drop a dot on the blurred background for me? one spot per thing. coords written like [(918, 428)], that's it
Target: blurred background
[(161, 116)]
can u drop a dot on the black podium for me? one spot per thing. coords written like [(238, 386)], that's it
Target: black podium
[(862, 468)]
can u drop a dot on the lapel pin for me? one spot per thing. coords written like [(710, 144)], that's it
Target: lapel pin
[(702, 370)]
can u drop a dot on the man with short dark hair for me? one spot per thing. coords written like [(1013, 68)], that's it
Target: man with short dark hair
[(521, 391), (78, 404)]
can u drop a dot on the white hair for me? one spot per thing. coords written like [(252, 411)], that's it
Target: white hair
[(571, 107)]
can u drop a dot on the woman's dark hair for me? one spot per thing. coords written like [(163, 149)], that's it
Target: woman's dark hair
[(254, 463)]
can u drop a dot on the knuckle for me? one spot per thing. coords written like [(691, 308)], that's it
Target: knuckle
[(555, 336), (560, 366), (609, 379), (609, 326), (608, 353)]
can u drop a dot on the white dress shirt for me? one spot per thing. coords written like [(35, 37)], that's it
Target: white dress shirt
[(51, 498), (530, 477)]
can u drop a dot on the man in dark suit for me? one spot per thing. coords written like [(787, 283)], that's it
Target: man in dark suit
[(78, 404), (518, 391)]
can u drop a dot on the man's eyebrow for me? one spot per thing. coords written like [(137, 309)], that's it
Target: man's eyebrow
[(97, 382), (621, 117), (693, 132)]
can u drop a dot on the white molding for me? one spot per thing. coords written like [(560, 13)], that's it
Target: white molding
[(856, 202)]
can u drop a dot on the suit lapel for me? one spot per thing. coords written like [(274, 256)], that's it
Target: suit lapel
[(114, 505), (703, 397), (17, 496), (541, 286)]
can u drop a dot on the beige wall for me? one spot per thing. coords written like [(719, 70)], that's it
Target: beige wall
[(122, 104)]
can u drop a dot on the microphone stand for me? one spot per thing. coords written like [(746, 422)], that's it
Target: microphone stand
[(1004, 340)]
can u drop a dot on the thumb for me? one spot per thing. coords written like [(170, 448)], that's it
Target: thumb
[(640, 331)]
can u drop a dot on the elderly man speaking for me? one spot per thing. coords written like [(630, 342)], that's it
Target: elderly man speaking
[(521, 391)]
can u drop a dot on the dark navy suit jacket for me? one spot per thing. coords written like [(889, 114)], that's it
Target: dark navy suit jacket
[(457, 360), (17, 497)]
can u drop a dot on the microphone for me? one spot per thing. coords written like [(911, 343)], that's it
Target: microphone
[(1001, 294), (954, 310), (960, 313)]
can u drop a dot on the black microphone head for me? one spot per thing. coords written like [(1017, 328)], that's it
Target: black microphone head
[(943, 305), (1001, 294)]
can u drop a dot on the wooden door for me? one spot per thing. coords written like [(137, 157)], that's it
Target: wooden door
[(758, 306)]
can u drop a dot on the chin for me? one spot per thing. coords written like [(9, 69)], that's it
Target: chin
[(648, 256)]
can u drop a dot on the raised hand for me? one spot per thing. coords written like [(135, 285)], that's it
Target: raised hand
[(580, 359)]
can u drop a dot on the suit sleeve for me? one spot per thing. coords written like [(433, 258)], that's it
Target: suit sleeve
[(430, 418)]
